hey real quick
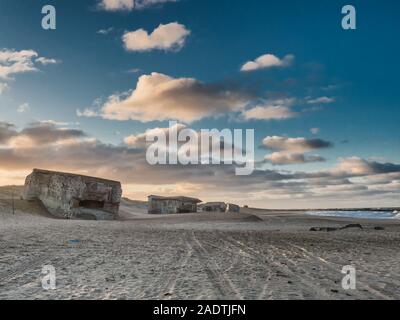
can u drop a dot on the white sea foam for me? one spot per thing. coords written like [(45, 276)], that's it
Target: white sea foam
[(361, 214)]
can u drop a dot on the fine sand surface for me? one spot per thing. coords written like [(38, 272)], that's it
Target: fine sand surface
[(253, 255)]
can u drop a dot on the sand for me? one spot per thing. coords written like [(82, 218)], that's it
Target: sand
[(253, 255)]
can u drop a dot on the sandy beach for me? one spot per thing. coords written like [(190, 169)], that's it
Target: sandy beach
[(252, 255)]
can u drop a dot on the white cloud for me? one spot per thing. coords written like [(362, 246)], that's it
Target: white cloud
[(359, 166), (140, 4), (315, 130), (354, 165), (272, 110), (23, 108), (283, 158), (37, 134), (320, 100), (301, 145), (87, 112), (170, 36), (58, 123), (292, 150), (14, 62), (3, 87), (46, 61), (134, 70), (269, 113), (128, 5), (158, 97), (268, 61), (139, 140), (105, 31), (116, 5)]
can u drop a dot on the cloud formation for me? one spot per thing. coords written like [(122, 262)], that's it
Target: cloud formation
[(320, 100), (169, 36), (272, 110), (292, 150), (128, 5), (37, 134), (283, 158), (140, 4), (116, 5), (352, 182), (15, 62), (105, 31), (315, 130), (295, 144), (3, 87), (158, 97), (359, 167), (23, 108), (138, 141), (7, 130), (46, 61), (267, 61)]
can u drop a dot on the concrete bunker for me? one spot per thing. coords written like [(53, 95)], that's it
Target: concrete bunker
[(213, 207), (74, 196), (171, 205), (233, 208), (219, 207)]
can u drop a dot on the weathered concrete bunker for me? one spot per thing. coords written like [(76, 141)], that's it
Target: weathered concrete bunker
[(233, 208), (213, 207), (170, 205), (219, 207), (73, 196)]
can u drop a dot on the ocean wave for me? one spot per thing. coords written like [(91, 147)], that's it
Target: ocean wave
[(361, 214)]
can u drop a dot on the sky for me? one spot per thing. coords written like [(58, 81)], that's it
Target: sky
[(323, 101)]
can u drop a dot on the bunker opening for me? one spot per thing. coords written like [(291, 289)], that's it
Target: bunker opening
[(91, 204)]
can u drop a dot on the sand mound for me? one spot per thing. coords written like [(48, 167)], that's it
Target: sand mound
[(7, 193)]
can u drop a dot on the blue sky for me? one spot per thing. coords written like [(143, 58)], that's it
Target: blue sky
[(356, 70)]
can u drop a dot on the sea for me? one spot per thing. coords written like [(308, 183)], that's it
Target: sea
[(361, 214)]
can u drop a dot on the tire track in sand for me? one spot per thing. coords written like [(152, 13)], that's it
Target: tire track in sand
[(182, 263), (218, 278), (333, 268), (395, 277), (242, 255), (282, 267), (25, 266)]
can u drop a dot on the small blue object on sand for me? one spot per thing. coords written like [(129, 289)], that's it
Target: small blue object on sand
[(74, 241)]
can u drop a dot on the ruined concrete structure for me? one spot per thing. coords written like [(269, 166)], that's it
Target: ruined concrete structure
[(233, 208), (74, 196), (213, 207), (219, 207), (170, 205)]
